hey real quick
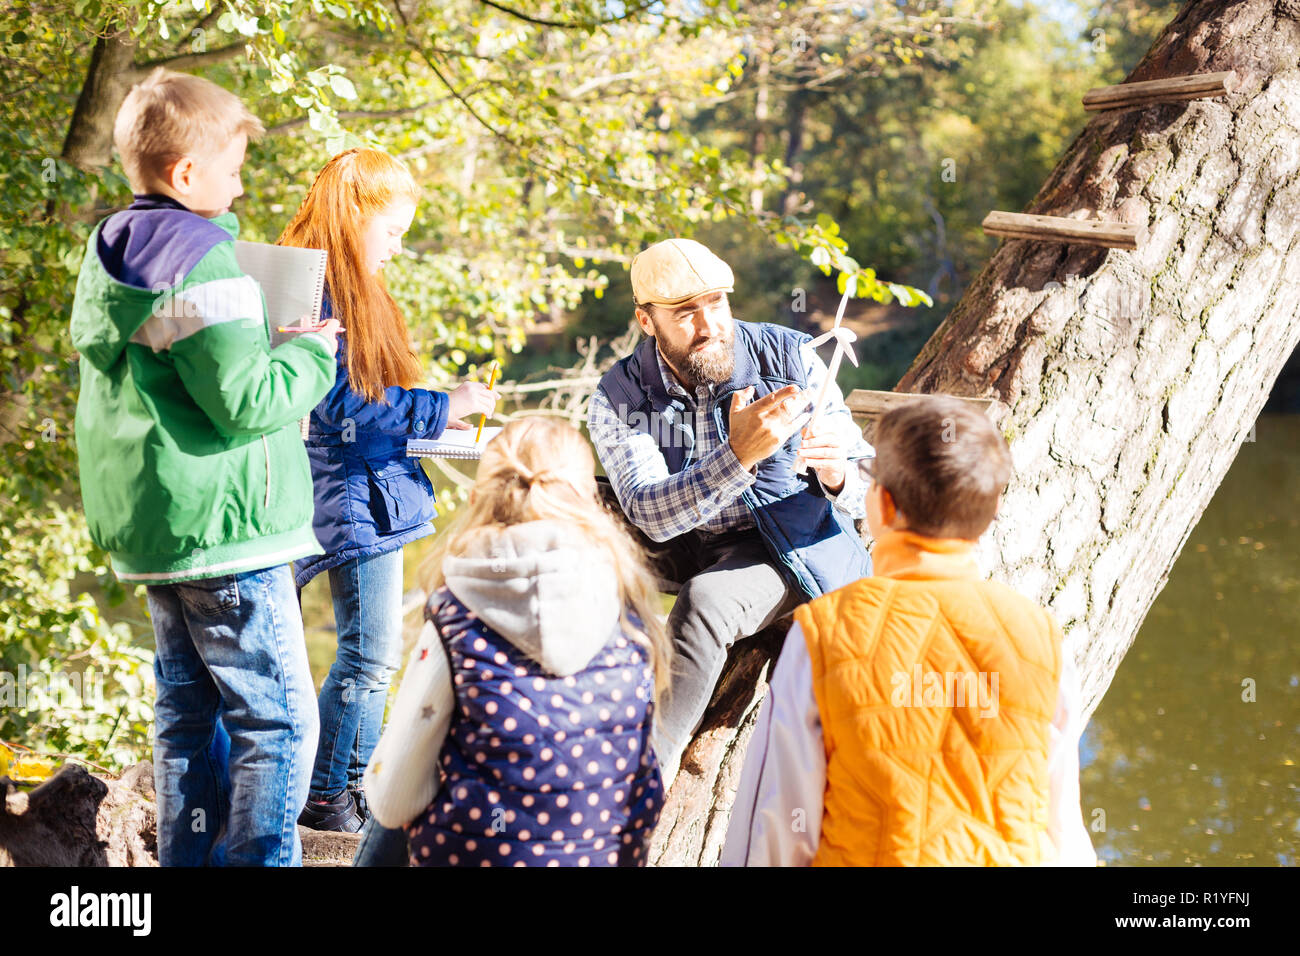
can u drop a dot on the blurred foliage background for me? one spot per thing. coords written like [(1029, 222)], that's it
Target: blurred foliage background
[(804, 142)]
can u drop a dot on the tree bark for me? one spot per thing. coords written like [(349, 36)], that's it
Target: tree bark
[(796, 107), (76, 818), (693, 824), (89, 143), (1126, 381), (758, 142)]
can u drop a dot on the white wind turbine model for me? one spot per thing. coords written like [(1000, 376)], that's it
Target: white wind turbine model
[(843, 338)]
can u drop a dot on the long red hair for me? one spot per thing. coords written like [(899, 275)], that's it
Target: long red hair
[(354, 186)]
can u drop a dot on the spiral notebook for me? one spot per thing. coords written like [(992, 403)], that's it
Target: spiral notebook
[(452, 444), (293, 282)]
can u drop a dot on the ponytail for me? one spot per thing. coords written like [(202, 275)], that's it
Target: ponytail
[(540, 469)]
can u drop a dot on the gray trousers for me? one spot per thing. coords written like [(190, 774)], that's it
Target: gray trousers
[(729, 590)]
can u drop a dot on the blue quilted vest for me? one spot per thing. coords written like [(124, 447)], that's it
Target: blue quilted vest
[(540, 770), (815, 546)]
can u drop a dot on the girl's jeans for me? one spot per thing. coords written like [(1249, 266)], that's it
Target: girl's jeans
[(380, 846), (367, 595), (231, 646)]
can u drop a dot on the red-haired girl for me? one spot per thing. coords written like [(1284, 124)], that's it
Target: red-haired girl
[(371, 499)]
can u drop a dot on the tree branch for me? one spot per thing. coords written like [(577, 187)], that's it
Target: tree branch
[(598, 81), (354, 114), (384, 43), (207, 21), (192, 60), (567, 24), (447, 84)]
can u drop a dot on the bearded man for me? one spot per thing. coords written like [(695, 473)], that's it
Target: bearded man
[(699, 432)]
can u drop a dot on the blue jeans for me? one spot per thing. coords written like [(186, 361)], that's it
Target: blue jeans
[(234, 722), (380, 846), (367, 595)]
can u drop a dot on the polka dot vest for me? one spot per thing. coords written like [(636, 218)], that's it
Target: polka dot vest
[(540, 770)]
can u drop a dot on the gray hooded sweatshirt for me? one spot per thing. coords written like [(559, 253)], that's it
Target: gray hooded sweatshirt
[(543, 587)]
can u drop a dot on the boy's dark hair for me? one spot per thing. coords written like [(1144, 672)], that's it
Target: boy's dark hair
[(944, 464)]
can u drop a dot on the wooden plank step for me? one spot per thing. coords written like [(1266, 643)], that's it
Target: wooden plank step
[(1088, 232), (1174, 89), (867, 405)]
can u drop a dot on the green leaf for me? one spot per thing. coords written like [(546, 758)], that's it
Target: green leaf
[(343, 87)]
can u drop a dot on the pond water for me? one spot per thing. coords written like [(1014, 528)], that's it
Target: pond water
[(1193, 755)]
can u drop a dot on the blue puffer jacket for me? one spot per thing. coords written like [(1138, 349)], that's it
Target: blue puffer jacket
[(370, 498)]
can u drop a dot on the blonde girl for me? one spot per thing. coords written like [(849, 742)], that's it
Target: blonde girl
[(521, 733)]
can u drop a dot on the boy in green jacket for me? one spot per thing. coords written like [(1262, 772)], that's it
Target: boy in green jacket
[(194, 476)]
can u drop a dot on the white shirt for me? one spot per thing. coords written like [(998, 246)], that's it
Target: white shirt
[(776, 819)]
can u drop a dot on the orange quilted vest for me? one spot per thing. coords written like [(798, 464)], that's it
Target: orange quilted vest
[(936, 691)]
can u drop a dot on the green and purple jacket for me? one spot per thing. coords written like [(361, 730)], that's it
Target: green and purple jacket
[(191, 459)]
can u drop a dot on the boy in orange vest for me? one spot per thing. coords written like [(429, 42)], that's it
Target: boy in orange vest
[(922, 716)]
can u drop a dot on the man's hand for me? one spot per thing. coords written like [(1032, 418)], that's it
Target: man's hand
[(760, 428), (826, 453)]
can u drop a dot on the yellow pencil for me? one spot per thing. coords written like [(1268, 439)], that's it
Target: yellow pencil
[(492, 380)]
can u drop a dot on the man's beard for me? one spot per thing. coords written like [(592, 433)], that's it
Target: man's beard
[(709, 366)]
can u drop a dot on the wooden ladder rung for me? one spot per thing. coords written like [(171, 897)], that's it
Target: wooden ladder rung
[(869, 403), (1088, 232), (1174, 89)]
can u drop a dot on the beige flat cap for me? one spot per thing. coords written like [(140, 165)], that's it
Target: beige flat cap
[(676, 270)]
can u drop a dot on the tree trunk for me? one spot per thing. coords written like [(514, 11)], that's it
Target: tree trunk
[(89, 143), (796, 108), (76, 818), (1126, 380), (758, 142), (693, 824)]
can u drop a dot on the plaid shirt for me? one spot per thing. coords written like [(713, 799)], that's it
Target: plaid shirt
[(706, 494)]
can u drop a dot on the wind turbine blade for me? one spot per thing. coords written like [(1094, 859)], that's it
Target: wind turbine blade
[(844, 300)]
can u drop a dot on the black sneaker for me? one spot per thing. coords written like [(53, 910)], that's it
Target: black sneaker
[(340, 814), (359, 796)]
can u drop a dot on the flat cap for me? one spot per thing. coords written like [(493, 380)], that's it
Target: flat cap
[(677, 270)]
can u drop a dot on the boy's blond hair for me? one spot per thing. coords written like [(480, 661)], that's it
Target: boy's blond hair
[(169, 115)]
